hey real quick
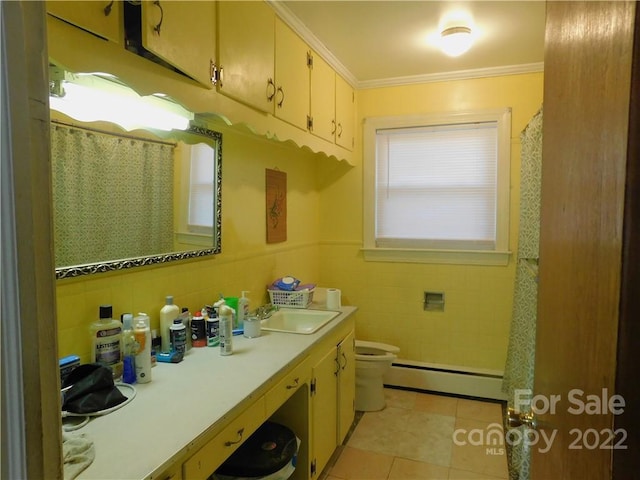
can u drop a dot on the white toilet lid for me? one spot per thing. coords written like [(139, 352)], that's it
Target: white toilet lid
[(378, 346)]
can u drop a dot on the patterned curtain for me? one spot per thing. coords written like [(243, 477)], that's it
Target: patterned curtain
[(519, 369), (112, 196)]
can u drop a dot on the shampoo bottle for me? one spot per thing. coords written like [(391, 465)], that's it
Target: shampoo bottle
[(106, 341), (243, 308), (168, 314), (142, 335)]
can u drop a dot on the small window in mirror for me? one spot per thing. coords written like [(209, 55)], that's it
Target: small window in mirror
[(201, 194)]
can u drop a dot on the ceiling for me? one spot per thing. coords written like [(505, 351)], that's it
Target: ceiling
[(386, 42)]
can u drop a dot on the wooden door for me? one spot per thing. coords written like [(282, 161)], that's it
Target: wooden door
[(345, 113), (346, 385), (324, 407), (103, 18), (588, 70), (292, 77), (246, 46), (323, 99), (183, 34)]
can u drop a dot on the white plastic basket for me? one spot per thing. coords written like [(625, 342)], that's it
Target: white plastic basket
[(294, 299)]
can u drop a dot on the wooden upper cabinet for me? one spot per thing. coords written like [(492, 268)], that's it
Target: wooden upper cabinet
[(102, 17), (291, 102), (182, 33), (345, 113), (323, 98), (246, 46)]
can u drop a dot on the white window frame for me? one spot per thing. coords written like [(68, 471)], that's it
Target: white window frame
[(500, 254)]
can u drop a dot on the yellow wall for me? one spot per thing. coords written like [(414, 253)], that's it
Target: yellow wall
[(246, 262), (324, 241), (473, 330)]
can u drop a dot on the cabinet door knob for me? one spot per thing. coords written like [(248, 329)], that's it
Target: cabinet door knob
[(228, 443), (271, 89), (107, 9), (295, 383), (281, 98), (159, 25)]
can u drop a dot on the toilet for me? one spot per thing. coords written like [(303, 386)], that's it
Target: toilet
[(372, 361)]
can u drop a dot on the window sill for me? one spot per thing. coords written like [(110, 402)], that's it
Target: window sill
[(199, 239), (458, 257)]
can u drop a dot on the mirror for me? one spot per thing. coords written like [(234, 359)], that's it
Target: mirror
[(122, 201)]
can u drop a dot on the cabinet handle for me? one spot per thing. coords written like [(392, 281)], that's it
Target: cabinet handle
[(228, 443), (159, 25), (107, 9), (282, 98), (345, 361), (295, 383), (337, 366), (333, 124), (271, 94), (339, 130)]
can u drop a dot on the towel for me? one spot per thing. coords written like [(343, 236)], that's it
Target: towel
[(77, 454)]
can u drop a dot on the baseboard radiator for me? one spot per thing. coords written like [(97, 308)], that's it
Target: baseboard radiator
[(446, 379)]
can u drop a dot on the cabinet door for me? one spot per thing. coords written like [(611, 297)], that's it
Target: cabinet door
[(323, 94), (246, 46), (345, 113), (103, 18), (292, 77), (324, 409), (182, 33), (346, 385)]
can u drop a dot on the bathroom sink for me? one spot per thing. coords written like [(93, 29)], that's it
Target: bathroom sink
[(298, 321)]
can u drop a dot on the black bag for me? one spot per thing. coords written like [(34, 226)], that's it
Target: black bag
[(92, 390)]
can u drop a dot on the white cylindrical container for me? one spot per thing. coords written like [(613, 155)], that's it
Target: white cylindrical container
[(333, 299), (168, 313), (252, 327), (142, 335), (226, 329)]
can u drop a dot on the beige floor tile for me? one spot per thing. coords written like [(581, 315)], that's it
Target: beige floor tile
[(479, 447), (404, 469), (356, 464), (407, 433), (400, 398), (477, 410), (438, 404), (464, 475)]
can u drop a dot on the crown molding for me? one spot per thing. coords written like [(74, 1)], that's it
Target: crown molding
[(455, 75), (309, 37)]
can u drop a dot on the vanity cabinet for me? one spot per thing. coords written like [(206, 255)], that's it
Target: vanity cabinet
[(332, 399), (102, 18), (183, 35), (332, 105)]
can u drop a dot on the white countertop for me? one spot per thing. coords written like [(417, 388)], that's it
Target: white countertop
[(186, 399)]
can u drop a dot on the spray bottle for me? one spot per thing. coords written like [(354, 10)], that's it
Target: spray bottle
[(243, 308), (142, 335), (226, 329), (128, 349)]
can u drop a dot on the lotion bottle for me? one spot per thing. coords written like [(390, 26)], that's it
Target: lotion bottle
[(168, 314)]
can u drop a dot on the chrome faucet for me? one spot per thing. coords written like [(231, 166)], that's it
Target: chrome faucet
[(265, 311)]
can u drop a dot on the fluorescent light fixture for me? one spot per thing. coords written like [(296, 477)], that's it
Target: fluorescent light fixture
[(454, 41), (90, 99)]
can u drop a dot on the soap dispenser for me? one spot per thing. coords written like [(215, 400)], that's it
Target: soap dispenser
[(243, 308)]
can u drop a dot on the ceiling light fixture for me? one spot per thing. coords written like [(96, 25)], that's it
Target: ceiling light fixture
[(454, 41)]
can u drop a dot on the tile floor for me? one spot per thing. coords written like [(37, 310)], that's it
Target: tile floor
[(413, 439)]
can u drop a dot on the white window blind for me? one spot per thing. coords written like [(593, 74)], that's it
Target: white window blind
[(201, 189), (436, 187)]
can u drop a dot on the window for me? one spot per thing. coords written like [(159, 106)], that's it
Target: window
[(437, 188), (201, 199)]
